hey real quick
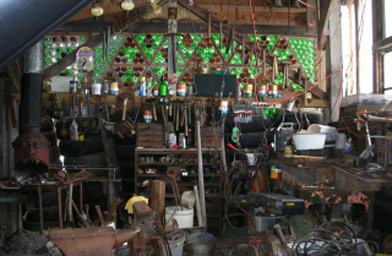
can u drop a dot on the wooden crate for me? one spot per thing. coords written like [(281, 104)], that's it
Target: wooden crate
[(150, 135), (210, 137)]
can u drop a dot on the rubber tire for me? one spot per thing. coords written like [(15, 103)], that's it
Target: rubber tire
[(90, 145)]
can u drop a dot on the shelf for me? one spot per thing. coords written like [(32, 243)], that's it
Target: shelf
[(175, 164), (165, 176), (158, 151), (47, 99)]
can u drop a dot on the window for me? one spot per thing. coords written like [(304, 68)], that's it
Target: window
[(387, 22), (387, 66)]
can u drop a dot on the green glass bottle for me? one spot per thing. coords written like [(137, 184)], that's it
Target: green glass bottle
[(163, 87)]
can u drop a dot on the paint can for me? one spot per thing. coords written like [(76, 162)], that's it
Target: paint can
[(147, 116), (224, 107), (181, 89), (288, 151), (114, 88), (172, 139), (276, 172), (261, 91)]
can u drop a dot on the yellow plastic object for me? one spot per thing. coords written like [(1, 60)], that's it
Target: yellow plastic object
[(132, 200)]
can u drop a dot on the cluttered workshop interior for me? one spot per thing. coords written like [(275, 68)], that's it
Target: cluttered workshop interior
[(195, 127)]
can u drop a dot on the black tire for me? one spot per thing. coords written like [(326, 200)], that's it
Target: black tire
[(50, 214), (97, 159), (34, 226), (89, 146)]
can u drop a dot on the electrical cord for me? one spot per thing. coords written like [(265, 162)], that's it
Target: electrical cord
[(326, 242)]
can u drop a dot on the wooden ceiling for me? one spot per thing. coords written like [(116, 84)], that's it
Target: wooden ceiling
[(233, 11)]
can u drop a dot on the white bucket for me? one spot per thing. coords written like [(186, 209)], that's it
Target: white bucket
[(176, 245), (309, 141), (96, 89), (183, 217)]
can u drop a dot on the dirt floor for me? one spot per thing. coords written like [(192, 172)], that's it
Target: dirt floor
[(25, 244)]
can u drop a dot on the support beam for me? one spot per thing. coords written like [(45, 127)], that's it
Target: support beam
[(185, 27), (336, 63), (325, 14)]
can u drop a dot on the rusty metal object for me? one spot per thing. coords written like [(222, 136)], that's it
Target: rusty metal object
[(91, 241), (31, 147), (314, 196)]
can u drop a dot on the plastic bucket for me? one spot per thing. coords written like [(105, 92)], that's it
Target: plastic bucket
[(183, 217), (201, 244), (176, 244)]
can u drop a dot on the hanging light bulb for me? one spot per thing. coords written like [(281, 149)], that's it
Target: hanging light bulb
[(96, 10), (127, 5)]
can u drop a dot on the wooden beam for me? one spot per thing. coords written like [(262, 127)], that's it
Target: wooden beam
[(47, 99), (134, 16), (378, 14), (186, 26), (326, 7)]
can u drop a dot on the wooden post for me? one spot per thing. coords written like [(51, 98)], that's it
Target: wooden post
[(201, 175), (158, 191)]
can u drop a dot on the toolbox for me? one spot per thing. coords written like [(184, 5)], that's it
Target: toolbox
[(277, 204)]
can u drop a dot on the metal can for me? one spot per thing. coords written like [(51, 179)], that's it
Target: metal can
[(73, 86), (189, 89), (182, 140), (288, 151), (276, 172), (172, 139), (147, 116), (224, 107), (275, 91), (114, 88), (261, 91), (181, 89)]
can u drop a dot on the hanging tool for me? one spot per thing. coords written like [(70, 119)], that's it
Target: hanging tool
[(154, 112), (274, 68), (209, 25), (264, 63), (178, 117), (220, 33), (164, 115), (186, 120)]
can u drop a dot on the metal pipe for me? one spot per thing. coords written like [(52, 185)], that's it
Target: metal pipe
[(201, 175), (41, 211)]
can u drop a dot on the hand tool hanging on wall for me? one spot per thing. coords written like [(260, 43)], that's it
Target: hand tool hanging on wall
[(220, 34), (186, 120), (108, 43), (154, 113), (264, 63), (274, 68), (209, 25)]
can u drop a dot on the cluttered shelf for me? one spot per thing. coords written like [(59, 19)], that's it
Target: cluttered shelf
[(47, 99)]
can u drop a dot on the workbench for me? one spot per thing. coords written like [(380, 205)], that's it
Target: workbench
[(346, 185)]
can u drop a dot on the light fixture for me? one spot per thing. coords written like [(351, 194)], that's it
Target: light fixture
[(96, 10), (127, 5)]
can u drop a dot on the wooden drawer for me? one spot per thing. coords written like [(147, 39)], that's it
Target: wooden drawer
[(150, 135)]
